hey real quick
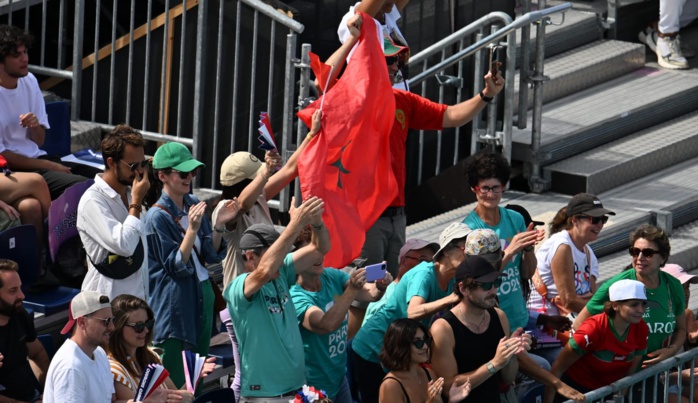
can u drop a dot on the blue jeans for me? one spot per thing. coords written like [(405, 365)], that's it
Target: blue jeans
[(344, 394)]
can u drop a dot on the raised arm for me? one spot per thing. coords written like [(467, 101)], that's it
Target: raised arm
[(339, 57), (462, 113), (321, 322)]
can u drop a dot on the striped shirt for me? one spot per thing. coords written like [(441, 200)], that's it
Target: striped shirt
[(122, 376)]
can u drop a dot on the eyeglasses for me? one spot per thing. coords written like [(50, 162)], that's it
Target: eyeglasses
[(185, 175), (486, 189), (132, 167), (488, 286), (105, 321), (647, 252), (420, 343), (139, 327), (390, 60), (594, 220)]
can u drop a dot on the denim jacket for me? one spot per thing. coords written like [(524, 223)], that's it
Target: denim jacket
[(175, 291)]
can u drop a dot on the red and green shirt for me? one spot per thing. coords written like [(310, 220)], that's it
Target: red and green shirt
[(606, 355)]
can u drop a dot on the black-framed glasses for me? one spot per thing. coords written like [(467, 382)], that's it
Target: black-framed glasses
[(390, 60), (488, 286), (594, 220), (139, 327), (185, 175), (105, 321), (647, 252), (420, 343), (484, 190), (132, 167)]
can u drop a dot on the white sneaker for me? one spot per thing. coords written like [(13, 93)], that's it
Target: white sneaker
[(649, 36), (669, 53)]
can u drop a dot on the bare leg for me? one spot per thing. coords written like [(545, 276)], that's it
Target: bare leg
[(25, 184), (30, 213)]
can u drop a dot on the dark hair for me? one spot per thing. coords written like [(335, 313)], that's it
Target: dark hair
[(235, 190), (484, 166), (7, 265), (560, 221), (115, 142), (468, 283), (11, 38), (396, 353), (608, 309), (155, 190), (653, 234), (122, 306)]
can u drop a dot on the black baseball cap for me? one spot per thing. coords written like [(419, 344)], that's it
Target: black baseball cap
[(526, 215), (586, 203), (477, 268)]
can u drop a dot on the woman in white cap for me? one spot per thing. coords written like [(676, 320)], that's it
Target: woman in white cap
[(607, 346), (565, 278)]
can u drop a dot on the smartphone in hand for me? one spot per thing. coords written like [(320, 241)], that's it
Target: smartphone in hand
[(375, 272)]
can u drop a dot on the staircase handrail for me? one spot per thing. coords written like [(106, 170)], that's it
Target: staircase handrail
[(275, 15)]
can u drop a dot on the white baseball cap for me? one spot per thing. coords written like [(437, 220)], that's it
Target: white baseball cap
[(627, 289), (83, 304), (457, 230)]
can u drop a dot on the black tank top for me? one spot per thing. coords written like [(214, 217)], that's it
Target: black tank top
[(474, 350)]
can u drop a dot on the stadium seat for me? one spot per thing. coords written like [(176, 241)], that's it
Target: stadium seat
[(57, 140), (534, 394), (19, 244), (224, 395)]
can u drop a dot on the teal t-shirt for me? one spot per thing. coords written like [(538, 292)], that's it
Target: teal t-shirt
[(271, 349), (421, 281), (374, 307), (325, 354), (664, 303), (510, 295)]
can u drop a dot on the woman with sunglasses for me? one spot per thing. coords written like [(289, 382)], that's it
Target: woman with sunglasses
[(665, 314), (129, 352), (567, 269), (181, 241), (406, 353)]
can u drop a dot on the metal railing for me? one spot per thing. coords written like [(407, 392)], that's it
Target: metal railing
[(652, 381)]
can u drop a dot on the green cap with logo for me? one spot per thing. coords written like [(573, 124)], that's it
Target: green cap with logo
[(176, 156)]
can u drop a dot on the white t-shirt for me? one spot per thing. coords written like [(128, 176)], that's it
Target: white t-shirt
[(75, 377), (14, 103), (582, 270)]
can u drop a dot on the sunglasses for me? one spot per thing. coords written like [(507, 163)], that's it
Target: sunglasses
[(132, 167), (420, 343), (488, 286), (139, 327), (594, 220), (185, 175), (105, 321), (647, 252), (390, 60)]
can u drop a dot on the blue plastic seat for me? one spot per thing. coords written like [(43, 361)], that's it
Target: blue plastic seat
[(19, 244), (57, 140), (216, 396)]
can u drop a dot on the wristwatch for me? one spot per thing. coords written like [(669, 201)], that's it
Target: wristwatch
[(491, 368)]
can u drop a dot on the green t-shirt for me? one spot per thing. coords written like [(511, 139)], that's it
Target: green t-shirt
[(510, 295), (271, 351), (325, 354), (421, 281), (374, 307), (664, 303)]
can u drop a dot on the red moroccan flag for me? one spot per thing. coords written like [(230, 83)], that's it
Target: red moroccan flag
[(348, 163)]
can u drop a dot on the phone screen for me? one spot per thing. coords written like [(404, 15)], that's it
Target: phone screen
[(375, 272)]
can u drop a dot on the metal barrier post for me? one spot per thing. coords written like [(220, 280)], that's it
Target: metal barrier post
[(289, 87), (524, 70), (536, 182), (197, 123), (303, 101), (77, 60)]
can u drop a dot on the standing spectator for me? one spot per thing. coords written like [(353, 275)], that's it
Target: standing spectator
[(265, 321), (18, 342), (406, 353), (662, 37), (607, 346), (79, 372), (109, 218), (471, 341), (181, 242), (422, 292), (129, 352), (23, 119), (322, 297)]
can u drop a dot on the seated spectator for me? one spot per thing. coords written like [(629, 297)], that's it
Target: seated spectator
[(24, 196), (259, 303), (322, 297), (23, 119), (422, 292), (607, 346), (109, 218), (129, 352), (412, 253), (472, 340), (181, 241), (18, 343), (406, 353)]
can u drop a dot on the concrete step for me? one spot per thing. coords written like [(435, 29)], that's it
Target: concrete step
[(608, 112), (586, 66), (577, 29), (629, 158)]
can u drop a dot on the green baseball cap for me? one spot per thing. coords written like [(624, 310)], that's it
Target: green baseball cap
[(176, 156), (390, 48)]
